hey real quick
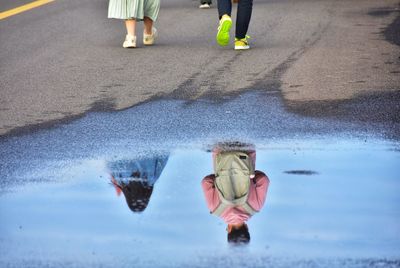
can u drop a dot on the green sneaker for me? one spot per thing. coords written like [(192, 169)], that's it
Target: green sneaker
[(225, 24), (242, 44)]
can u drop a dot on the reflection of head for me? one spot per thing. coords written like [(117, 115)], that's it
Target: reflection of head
[(239, 235), (137, 194)]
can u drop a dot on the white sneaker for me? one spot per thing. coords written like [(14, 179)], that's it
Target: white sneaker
[(130, 41), (204, 6), (148, 39)]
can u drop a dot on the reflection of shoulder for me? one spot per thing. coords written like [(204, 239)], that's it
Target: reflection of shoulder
[(260, 177), (259, 173), (210, 177), (208, 181)]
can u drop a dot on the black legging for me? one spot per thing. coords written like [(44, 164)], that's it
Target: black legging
[(243, 14)]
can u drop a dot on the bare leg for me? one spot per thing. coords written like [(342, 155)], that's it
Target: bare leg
[(148, 25), (130, 27), (130, 39)]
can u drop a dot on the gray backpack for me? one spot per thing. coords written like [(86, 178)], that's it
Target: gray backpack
[(233, 171)]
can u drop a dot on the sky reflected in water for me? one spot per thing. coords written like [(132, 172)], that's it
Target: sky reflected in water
[(341, 203)]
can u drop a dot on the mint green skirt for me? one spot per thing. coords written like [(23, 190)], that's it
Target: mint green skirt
[(133, 9)]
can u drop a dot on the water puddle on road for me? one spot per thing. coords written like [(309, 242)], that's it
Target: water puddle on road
[(337, 200), (72, 196)]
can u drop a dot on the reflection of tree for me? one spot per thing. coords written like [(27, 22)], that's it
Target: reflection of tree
[(136, 178)]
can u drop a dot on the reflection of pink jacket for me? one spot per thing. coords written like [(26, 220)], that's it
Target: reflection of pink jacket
[(257, 194)]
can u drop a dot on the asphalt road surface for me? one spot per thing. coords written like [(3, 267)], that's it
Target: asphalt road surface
[(325, 58)]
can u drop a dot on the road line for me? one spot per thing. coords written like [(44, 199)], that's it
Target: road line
[(23, 8)]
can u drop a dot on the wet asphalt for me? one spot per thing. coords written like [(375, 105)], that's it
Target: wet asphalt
[(169, 124), (332, 202)]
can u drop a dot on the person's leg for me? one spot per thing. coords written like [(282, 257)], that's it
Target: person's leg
[(244, 10), (224, 8), (225, 22), (149, 32), (151, 9), (130, 39), (148, 25), (130, 27)]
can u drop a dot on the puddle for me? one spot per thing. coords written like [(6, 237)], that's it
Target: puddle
[(163, 126), (333, 199), (348, 210)]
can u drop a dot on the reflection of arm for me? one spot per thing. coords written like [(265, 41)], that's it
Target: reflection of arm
[(258, 191), (115, 184), (210, 192)]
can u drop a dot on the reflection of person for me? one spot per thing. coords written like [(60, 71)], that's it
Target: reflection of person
[(132, 11), (135, 179), (236, 191)]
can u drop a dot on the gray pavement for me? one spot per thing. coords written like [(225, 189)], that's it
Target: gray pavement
[(65, 58)]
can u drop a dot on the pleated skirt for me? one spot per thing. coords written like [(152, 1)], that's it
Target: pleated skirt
[(133, 9)]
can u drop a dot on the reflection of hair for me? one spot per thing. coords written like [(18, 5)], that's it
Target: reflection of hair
[(239, 236), (137, 194)]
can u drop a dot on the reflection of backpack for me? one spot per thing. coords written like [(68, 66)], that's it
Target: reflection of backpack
[(233, 171)]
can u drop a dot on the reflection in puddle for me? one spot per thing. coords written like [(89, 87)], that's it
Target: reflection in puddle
[(135, 179), (347, 214), (58, 203), (301, 172), (236, 190)]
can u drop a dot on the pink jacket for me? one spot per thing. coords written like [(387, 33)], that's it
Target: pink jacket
[(256, 199)]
